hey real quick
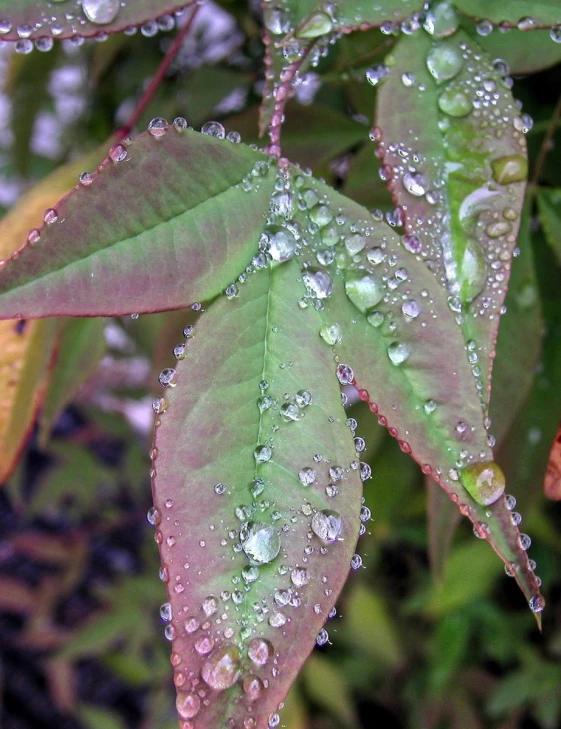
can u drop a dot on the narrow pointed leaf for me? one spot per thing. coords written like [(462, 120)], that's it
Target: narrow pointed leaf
[(236, 625), (549, 210), (538, 13), (81, 347), (516, 366), (443, 518), (168, 225), (388, 318), (456, 154), (25, 352), (27, 348), (32, 19)]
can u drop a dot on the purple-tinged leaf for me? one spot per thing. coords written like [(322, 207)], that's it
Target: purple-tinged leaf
[(29, 20), (253, 555), (173, 220), (519, 13), (387, 317), (455, 151)]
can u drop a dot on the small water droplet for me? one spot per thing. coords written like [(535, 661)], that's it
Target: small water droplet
[(327, 525)]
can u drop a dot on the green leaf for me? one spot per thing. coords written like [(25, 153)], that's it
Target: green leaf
[(442, 520), (206, 498), (523, 52), (460, 183), (326, 686), (407, 352), (549, 210), (84, 18), (294, 27), (516, 366), (167, 226), (94, 717), (81, 347), (541, 12)]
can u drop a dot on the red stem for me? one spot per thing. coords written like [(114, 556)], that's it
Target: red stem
[(158, 77)]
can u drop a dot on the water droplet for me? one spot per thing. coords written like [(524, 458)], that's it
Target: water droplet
[(485, 482), (204, 645), (118, 153), (322, 637), (524, 541), (398, 352), (455, 103), (300, 576), (327, 525), (180, 124), (101, 12), (214, 129), (210, 605), (332, 335), (260, 651), (444, 62), (355, 244), (318, 282), (260, 542), (414, 183), (158, 127), (356, 562), (167, 378), (187, 705), (511, 168), (166, 612), (441, 20), (263, 454), (376, 74), (303, 398), (345, 374), (364, 291), (410, 309), (281, 244), (314, 26), (307, 476), (253, 687), (153, 516), (484, 28), (50, 217), (222, 669), (536, 603)]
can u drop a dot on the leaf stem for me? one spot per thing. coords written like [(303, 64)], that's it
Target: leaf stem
[(546, 144), (282, 94), (158, 77)]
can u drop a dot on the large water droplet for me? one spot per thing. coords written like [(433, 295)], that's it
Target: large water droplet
[(260, 542), (318, 282), (327, 525), (455, 103), (281, 244), (101, 12), (331, 334), (260, 651), (511, 168), (398, 352), (364, 291), (444, 61), (187, 705), (314, 26), (485, 482), (222, 669)]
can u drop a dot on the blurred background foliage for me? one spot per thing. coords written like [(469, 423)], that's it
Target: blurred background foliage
[(431, 633)]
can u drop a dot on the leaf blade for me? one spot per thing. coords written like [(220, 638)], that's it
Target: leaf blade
[(193, 222), (233, 350)]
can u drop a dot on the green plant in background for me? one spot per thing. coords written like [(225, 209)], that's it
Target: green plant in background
[(302, 295)]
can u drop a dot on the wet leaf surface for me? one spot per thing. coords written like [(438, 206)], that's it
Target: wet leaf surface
[(514, 12), (116, 245), (254, 570), (460, 181), (23, 20)]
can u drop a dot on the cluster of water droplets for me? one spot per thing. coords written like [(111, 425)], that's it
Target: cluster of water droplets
[(58, 16)]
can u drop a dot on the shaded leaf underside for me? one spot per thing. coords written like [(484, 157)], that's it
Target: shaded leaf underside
[(43, 18), (458, 177), (173, 211), (206, 437)]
